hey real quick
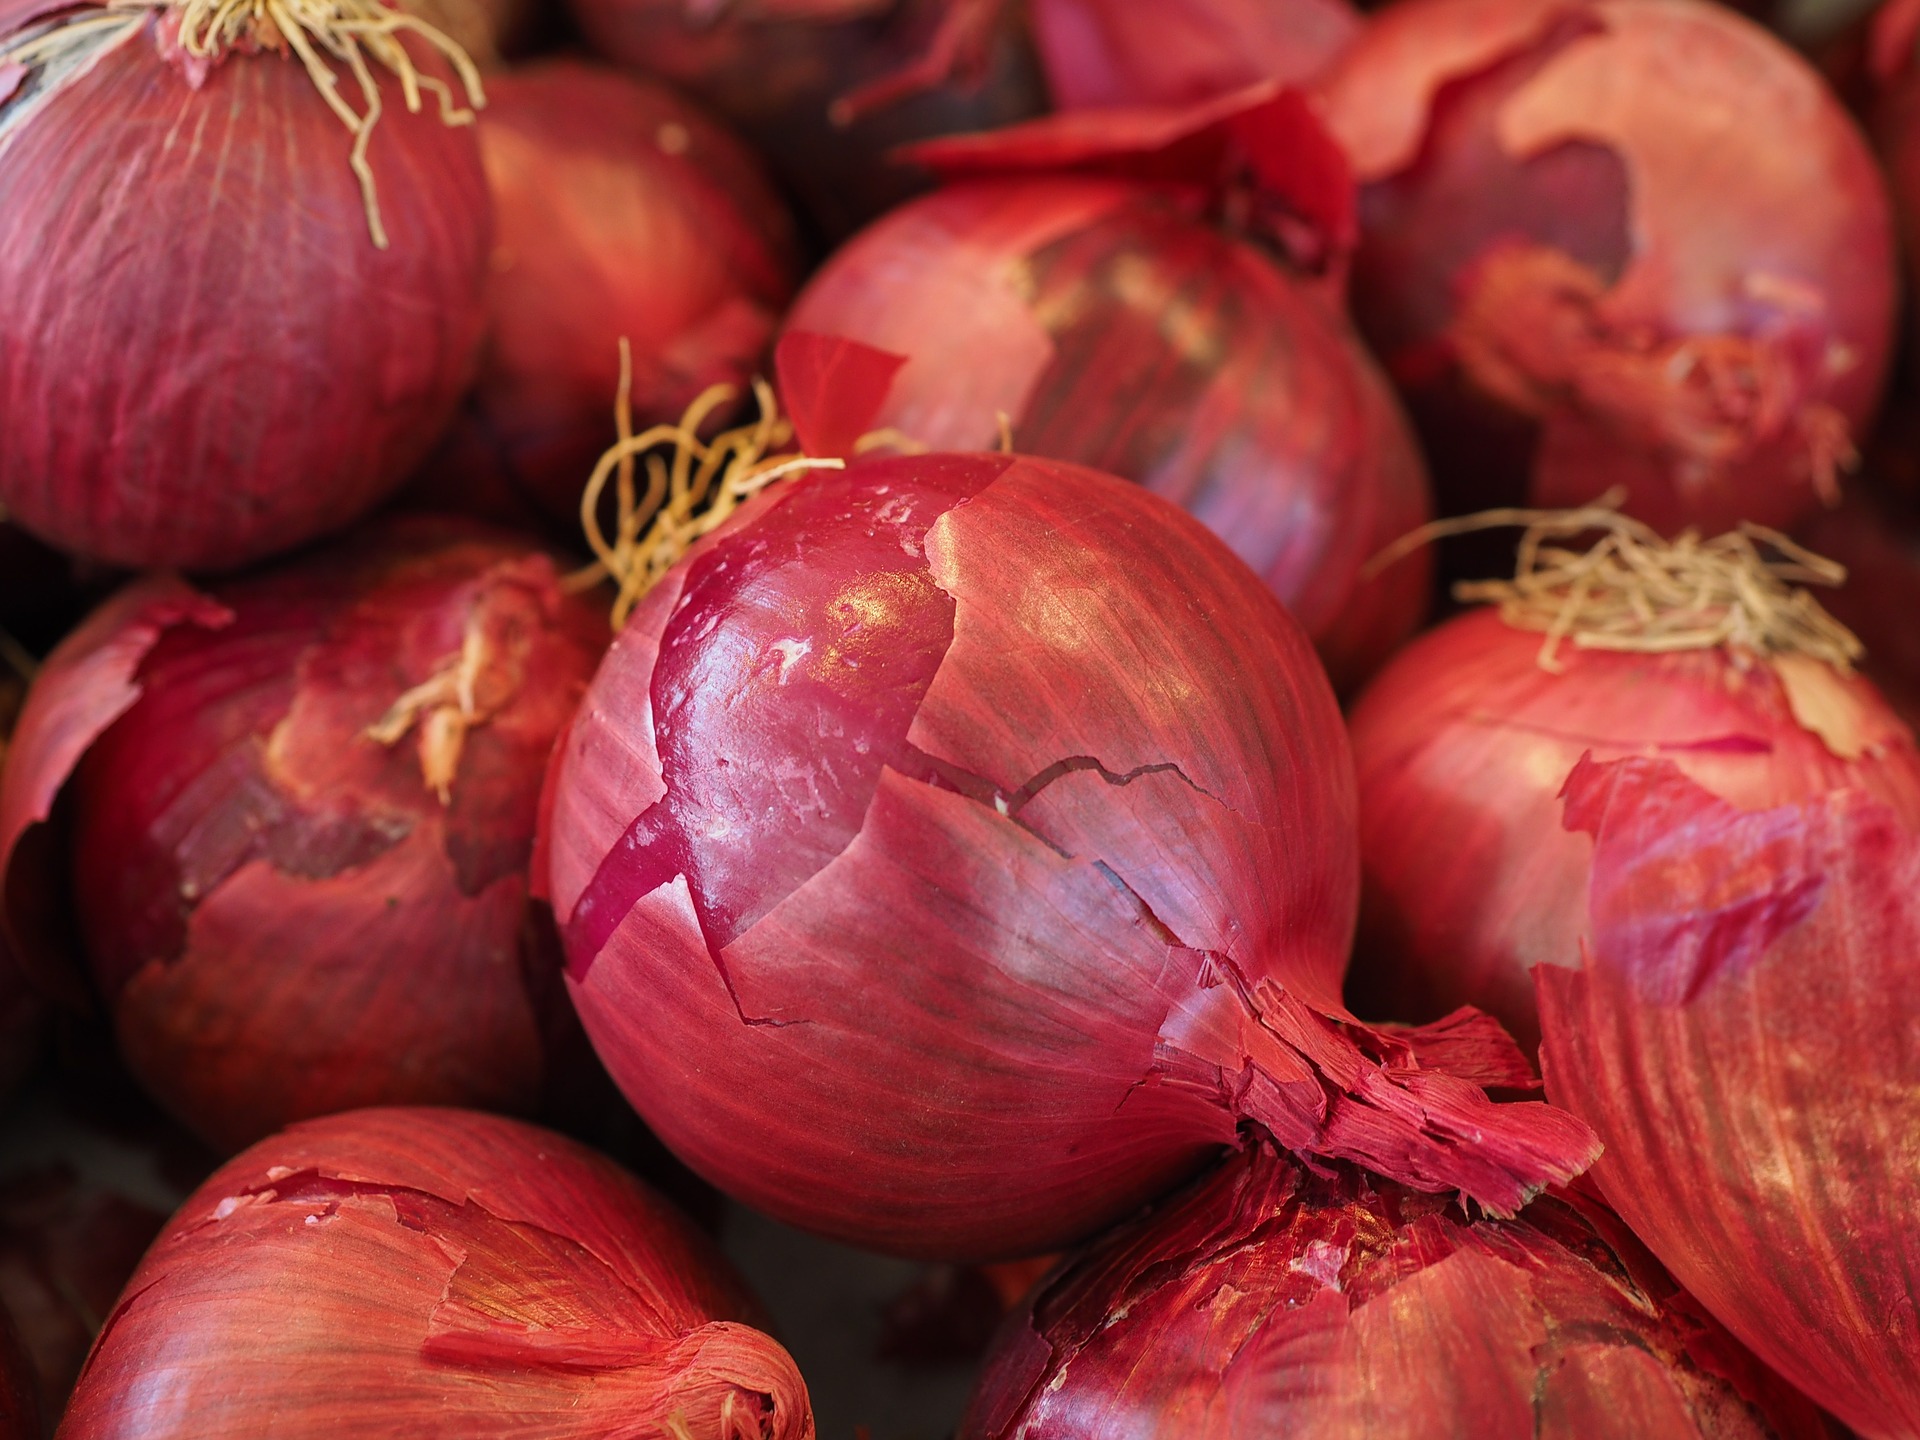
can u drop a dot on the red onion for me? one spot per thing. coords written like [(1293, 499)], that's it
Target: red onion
[(1123, 324), (1741, 1031), (623, 213), (827, 88), (1463, 742), (300, 815), (1616, 242), (488, 30), (956, 848), (433, 1272), (1268, 1300), (205, 355)]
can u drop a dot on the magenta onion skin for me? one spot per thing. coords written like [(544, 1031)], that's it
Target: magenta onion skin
[(1465, 736), (1265, 1300), (1584, 273), (953, 851), (1046, 300), (279, 912), (1740, 1030), (623, 212), (204, 359), (433, 1273)]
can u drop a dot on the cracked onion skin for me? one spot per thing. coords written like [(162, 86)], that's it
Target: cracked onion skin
[(1741, 1031), (1616, 242), (954, 850), (204, 359), (1465, 736), (1266, 1301), (280, 913), (435, 1274)]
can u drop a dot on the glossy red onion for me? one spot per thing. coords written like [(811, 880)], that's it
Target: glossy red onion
[(623, 213), (204, 356), (433, 1273), (954, 850), (299, 808), (827, 88), (1616, 242), (1463, 742), (1741, 1032), (1081, 280), (1269, 1301)]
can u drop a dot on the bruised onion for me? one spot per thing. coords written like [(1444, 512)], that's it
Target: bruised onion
[(299, 807), (229, 321), (827, 88), (1269, 1300), (1130, 325), (433, 1273), (623, 213), (1616, 242), (954, 849), (1741, 1031), (1463, 742)]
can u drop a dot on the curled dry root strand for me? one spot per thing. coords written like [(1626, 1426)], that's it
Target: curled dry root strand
[(1530, 333), (1635, 591), (445, 707)]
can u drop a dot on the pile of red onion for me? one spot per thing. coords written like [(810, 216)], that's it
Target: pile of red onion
[(1108, 286), (1616, 242), (320, 322), (433, 1272), (297, 810)]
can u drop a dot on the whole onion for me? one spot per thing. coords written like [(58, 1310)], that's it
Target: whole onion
[(1463, 742), (218, 338), (1741, 1031), (623, 213), (299, 808), (955, 849), (1616, 242), (1268, 1300), (827, 88), (1128, 324), (433, 1273)]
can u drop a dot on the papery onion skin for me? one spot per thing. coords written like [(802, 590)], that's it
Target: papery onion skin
[(434, 1274), (951, 850), (1461, 746), (1675, 165), (279, 911), (204, 359), (1116, 328), (1267, 1301), (623, 213), (1741, 1031), (783, 71)]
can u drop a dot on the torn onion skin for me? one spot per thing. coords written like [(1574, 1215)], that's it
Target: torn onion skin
[(1616, 242), (283, 913), (953, 849), (623, 212), (204, 358), (826, 89), (1267, 1300), (1740, 1030), (1462, 744), (439, 1274)]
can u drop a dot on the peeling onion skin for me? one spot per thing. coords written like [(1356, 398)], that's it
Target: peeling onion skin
[(1464, 736), (623, 212), (955, 848), (280, 916), (1741, 1031), (433, 1274), (1117, 328), (204, 360), (1678, 167), (1265, 1301)]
